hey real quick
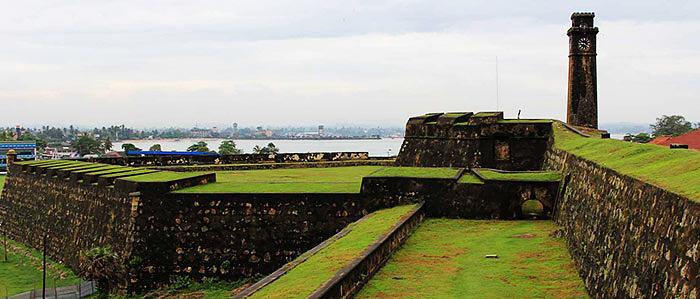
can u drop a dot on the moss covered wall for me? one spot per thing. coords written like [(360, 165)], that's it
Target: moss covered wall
[(629, 238)]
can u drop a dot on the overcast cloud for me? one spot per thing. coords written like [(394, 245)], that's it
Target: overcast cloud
[(185, 63)]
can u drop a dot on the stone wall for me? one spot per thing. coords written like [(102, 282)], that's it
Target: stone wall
[(73, 215), (231, 159), (258, 166), (448, 198), (237, 235), (482, 140), (629, 238)]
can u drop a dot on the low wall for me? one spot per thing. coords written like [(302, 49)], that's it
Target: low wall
[(349, 281), (231, 159), (257, 166), (448, 198), (629, 238)]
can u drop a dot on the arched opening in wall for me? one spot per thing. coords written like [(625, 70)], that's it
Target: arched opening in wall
[(532, 209)]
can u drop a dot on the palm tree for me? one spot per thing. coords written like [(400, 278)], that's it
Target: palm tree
[(102, 265)]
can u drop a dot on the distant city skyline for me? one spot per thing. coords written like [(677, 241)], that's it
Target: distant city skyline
[(303, 63)]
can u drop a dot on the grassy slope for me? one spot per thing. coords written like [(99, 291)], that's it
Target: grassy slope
[(530, 176), (308, 276), (677, 171), (418, 172), (295, 180), (446, 259), (22, 272)]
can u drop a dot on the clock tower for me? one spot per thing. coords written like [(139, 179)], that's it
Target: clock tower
[(582, 108)]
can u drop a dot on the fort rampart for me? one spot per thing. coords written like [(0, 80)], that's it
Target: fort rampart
[(166, 160), (481, 140), (629, 238)]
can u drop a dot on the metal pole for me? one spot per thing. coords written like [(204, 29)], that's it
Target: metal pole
[(43, 280), (4, 236)]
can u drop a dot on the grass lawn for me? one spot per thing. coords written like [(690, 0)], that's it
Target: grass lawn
[(2, 182), (525, 121), (445, 258), (302, 280), (22, 271), (528, 176), (292, 180), (417, 172), (162, 176), (677, 171)]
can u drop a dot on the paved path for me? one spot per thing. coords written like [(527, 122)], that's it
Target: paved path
[(84, 289)]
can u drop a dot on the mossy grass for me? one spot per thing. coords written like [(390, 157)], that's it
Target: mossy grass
[(75, 166), (22, 272), (136, 171), (38, 162), (302, 280), (161, 176), (470, 178), (486, 114), (287, 180), (524, 176), (416, 172), (675, 170), (115, 170), (525, 121), (446, 258), (96, 169)]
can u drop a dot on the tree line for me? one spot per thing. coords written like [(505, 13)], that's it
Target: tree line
[(673, 125)]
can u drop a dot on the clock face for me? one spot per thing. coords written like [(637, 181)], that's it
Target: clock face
[(584, 44)]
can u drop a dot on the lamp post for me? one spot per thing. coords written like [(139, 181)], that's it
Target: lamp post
[(43, 280)]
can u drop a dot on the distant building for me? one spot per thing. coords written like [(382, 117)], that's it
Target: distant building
[(320, 130), (26, 150), (691, 139)]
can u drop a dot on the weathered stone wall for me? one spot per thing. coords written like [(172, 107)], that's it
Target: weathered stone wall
[(73, 215), (629, 238), (231, 159), (237, 235), (258, 166), (474, 141), (447, 198)]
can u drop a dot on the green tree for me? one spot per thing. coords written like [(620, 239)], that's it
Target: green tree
[(228, 147), (673, 125), (107, 144), (101, 264), (128, 147), (156, 148), (27, 136), (198, 147), (639, 138), (86, 145), (269, 149)]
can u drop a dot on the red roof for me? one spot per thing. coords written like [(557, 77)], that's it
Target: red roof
[(692, 139)]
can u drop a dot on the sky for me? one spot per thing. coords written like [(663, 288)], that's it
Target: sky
[(213, 63)]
